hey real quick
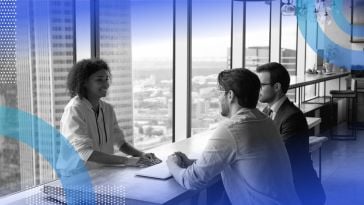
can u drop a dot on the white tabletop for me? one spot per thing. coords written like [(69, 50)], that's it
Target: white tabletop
[(141, 190), (313, 121)]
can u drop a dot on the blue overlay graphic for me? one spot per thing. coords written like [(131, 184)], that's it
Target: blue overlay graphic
[(343, 57), (21, 126)]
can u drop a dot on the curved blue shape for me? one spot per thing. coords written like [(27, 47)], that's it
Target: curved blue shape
[(21, 126), (341, 21), (344, 57)]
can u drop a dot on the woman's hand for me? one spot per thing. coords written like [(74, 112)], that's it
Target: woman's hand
[(138, 162), (145, 160), (152, 158)]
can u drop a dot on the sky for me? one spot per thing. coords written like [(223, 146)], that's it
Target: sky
[(152, 27), (151, 24)]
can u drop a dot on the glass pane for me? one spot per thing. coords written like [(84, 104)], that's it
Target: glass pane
[(34, 81), (238, 34), (311, 60), (289, 43), (136, 41), (9, 149), (288, 48), (275, 33), (257, 33), (210, 55), (181, 70)]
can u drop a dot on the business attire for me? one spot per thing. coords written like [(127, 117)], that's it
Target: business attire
[(293, 129), (252, 161), (87, 131)]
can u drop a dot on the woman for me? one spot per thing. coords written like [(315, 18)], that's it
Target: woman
[(89, 123)]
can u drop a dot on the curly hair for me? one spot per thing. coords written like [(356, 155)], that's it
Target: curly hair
[(79, 74)]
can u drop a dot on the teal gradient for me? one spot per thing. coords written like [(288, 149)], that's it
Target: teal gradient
[(19, 125)]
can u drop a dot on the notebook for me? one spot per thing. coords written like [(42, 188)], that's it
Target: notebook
[(158, 171)]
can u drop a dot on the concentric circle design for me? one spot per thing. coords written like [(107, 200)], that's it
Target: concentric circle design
[(338, 48)]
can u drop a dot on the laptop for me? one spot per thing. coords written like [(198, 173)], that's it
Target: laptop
[(158, 171)]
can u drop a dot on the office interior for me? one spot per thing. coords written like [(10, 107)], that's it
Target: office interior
[(164, 57)]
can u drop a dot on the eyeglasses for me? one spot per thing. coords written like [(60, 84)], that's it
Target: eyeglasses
[(219, 92), (264, 84)]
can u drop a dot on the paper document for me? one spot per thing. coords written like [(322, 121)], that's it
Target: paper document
[(158, 171)]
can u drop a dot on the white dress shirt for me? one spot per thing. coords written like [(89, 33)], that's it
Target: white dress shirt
[(250, 155), (275, 107), (86, 133)]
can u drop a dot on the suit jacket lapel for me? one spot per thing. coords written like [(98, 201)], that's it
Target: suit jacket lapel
[(280, 113)]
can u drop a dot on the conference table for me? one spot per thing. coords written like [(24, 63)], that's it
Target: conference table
[(136, 190), (142, 190)]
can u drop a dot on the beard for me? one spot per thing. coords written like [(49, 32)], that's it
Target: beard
[(225, 110), (265, 98)]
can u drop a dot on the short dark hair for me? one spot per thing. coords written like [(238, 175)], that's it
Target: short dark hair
[(79, 74), (278, 74), (244, 83)]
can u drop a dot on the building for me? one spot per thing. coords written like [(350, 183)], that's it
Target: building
[(115, 49), (256, 56), (45, 50), (9, 148)]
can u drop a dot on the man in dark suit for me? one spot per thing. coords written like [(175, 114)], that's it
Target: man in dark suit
[(293, 128)]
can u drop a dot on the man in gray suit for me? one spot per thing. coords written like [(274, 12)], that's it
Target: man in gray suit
[(293, 129)]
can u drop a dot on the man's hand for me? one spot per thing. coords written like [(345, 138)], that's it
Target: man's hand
[(173, 159), (180, 159), (184, 160)]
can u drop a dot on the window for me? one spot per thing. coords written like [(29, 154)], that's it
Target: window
[(210, 55), (257, 32), (288, 55), (311, 60), (288, 43), (136, 41), (238, 35), (29, 86)]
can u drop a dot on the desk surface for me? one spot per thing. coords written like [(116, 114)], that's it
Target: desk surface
[(316, 142), (145, 190), (140, 190), (308, 79), (313, 121)]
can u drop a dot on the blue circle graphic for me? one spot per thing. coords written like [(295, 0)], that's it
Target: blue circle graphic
[(21, 126), (344, 23), (337, 54)]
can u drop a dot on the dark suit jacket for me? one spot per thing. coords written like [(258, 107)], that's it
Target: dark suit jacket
[(293, 128)]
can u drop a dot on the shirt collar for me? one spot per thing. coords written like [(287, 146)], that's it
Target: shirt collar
[(86, 102), (241, 111), (275, 107)]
